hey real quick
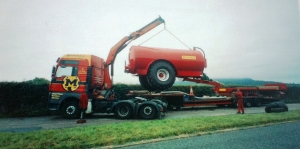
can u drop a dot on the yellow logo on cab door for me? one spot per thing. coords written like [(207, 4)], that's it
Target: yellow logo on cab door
[(71, 83)]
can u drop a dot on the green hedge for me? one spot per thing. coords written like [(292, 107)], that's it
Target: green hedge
[(24, 99)]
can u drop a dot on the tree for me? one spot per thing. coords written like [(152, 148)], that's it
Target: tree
[(37, 80)]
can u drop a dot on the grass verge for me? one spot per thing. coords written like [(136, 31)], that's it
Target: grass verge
[(115, 134)]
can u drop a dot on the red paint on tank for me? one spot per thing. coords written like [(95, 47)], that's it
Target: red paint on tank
[(187, 63)]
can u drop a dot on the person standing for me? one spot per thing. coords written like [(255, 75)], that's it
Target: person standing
[(239, 97), (83, 103)]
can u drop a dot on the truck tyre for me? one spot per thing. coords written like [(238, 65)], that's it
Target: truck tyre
[(276, 107), (147, 111), (70, 110), (220, 106), (283, 106), (257, 102), (144, 82), (234, 103), (248, 102), (161, 75), (123, 111)]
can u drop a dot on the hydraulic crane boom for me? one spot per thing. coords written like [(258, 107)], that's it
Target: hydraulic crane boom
[(118, 47)]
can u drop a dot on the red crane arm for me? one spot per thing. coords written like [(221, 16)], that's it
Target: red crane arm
[(118, 47)]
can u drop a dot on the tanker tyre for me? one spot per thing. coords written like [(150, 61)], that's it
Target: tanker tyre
[(70, 110), (147, 111), (161, 75), (123, 111), (145, 83)]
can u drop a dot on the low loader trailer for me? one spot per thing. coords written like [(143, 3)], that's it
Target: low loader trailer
[(253, 96)]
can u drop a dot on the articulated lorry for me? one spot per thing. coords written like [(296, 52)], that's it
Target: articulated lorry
[(76, 75), (82, 75)]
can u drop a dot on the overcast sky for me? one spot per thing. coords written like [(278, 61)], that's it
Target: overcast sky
[(256, 39)]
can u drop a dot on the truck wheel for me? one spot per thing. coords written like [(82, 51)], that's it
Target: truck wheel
[(248, 102), (70, 110), (276, 107), (257, 102), (285, 107), (161, 75), (234, 103), (147, 111), (220, 106), (123, 111), (144, 82)]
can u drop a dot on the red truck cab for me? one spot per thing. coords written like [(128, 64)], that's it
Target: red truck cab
[(74, 74)]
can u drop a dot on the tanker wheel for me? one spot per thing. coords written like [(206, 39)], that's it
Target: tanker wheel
[(70, 110), (123, 111), (161, 75), (147, 111), (145, 84)]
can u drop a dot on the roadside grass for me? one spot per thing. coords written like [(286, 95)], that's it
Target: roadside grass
[(121, 133)]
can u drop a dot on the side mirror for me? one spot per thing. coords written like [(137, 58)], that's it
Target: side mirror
[(53, 74)]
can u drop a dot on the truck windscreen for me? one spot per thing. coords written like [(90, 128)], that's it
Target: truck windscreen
[(66, 71)]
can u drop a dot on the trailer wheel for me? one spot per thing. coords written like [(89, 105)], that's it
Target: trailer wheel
[(123, 111), (147, 111), (257, 102), (161, 75), (248, 102), (144, 82), (70, 110)]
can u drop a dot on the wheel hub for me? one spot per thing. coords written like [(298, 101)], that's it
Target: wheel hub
[(123, 111), (147, 110), (163, 74), (70, 110)]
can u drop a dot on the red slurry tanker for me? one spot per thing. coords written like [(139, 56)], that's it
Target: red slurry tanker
[(157, 68)]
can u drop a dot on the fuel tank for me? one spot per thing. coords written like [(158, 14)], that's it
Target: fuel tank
[(186, 63)]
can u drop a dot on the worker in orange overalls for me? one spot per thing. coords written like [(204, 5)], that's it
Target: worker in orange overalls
[(83, 103), (239, 97)]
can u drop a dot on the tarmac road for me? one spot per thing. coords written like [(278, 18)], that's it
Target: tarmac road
[(52, 122), (280, 136)]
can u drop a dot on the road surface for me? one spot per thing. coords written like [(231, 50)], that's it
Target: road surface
[(281, 136), (52, 122)]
